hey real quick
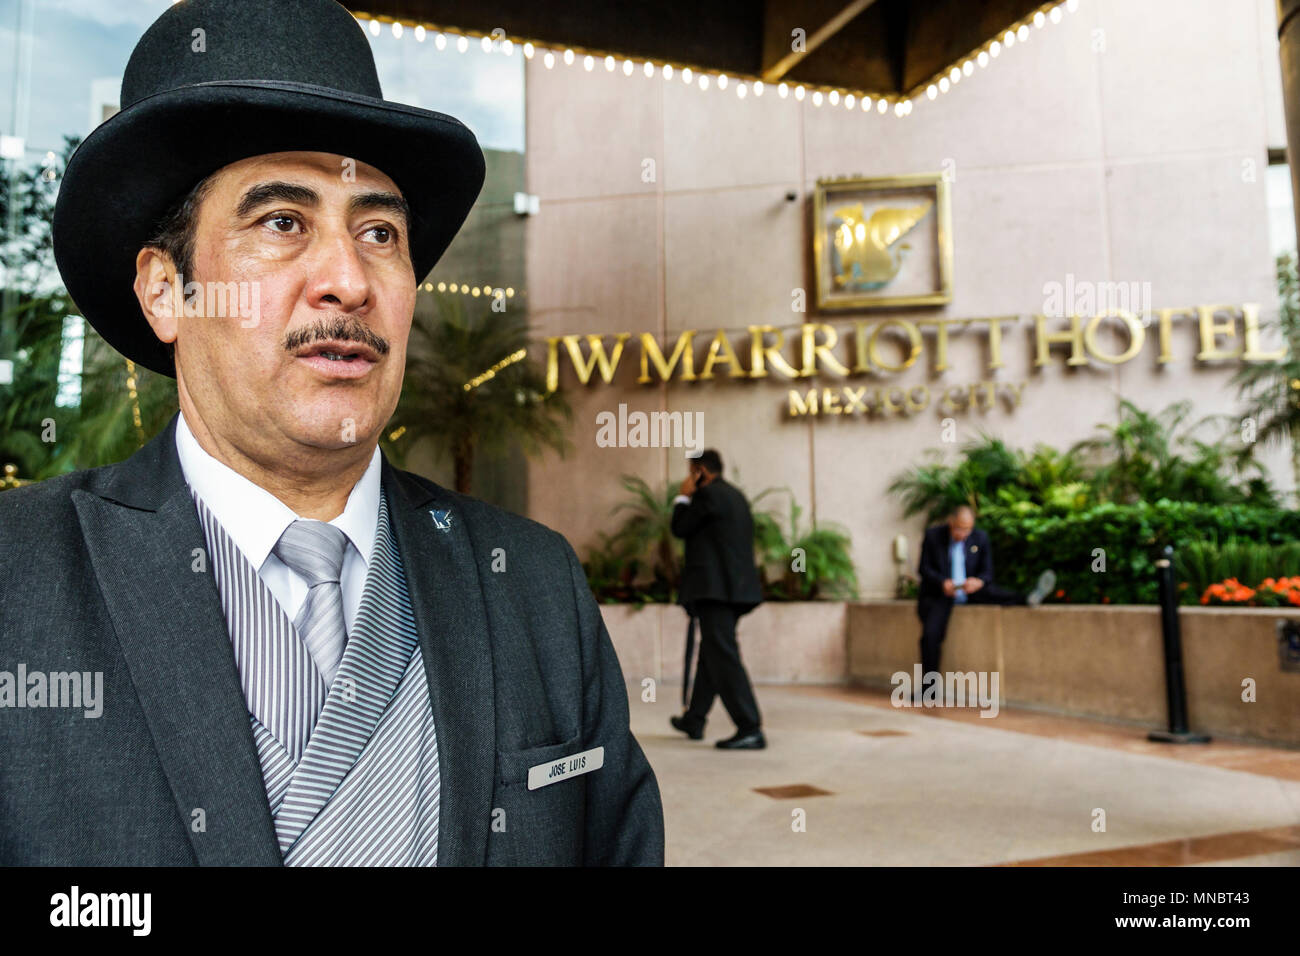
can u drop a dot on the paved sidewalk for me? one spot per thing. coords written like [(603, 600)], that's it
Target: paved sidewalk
[(927, 788)]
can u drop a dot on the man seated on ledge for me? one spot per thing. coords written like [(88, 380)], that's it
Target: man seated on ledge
[(957, 568)]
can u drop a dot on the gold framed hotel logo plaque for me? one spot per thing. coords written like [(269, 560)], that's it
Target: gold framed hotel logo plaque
[(882, 242)]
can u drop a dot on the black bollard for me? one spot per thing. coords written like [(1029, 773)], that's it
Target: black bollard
[(1174, 688)]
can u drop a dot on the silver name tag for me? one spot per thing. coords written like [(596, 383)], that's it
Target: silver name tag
[(545, 774)]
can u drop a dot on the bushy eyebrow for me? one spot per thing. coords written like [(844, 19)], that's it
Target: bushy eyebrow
[(264, 193), (391, 202)]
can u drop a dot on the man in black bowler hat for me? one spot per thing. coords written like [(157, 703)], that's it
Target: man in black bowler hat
[(305, 655)]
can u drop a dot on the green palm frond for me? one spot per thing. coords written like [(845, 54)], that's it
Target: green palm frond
[(456, 348)]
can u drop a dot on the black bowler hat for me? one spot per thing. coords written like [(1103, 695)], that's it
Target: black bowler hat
[(260, 78)]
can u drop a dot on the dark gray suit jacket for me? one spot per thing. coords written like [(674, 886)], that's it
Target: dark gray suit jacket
[(97, 574), (936, 559)]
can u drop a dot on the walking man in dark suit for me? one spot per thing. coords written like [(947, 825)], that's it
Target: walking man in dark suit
[(719, 584), (957, 568)]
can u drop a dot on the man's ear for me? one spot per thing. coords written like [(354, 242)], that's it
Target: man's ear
[(156, 291)]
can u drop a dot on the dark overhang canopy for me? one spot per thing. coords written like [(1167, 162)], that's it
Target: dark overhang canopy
[(889, 48)]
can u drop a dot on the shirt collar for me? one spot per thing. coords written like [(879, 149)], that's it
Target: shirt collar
[(254, 518)]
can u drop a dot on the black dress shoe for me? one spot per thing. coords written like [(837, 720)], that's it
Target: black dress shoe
[(680, 724), (753, 740)]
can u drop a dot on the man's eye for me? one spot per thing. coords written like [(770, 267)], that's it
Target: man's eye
[(282, 223), (381, 234)]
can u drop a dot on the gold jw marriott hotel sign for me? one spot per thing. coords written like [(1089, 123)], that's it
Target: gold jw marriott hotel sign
[(892, 345)]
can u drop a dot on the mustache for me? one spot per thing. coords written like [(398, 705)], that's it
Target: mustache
[(341, 328)]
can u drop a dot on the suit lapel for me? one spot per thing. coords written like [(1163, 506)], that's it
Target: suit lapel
[(451, 620), (143, 536)]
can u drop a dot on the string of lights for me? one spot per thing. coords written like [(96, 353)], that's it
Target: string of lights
[(464, 288), (511, 359), (865, 101)]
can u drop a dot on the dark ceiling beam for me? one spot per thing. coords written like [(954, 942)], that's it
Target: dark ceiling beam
[(819, 19), (943, 32), (864, 55)]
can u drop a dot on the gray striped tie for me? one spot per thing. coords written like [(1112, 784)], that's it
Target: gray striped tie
[(314, 550)]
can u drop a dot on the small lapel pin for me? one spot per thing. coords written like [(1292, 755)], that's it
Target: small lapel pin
[(974, 548), (442, 519)]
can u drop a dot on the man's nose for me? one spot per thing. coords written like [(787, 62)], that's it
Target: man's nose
[(338, 276)]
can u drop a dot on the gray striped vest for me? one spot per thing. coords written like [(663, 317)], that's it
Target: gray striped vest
[(358, 785)]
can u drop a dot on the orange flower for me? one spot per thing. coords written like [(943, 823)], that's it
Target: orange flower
[(1232, 591)]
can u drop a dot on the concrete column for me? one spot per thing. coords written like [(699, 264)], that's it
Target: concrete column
[(1288, 33)]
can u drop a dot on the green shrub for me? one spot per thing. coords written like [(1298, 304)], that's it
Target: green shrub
[(1127, 540), (1141, 456), (1202, 563), (826, 561)]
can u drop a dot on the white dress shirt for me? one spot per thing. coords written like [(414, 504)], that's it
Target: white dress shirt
[(254, 518)]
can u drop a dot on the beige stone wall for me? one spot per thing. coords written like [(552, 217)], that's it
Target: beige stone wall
[(1097, 661), (1113, 146), (1092, 661)]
